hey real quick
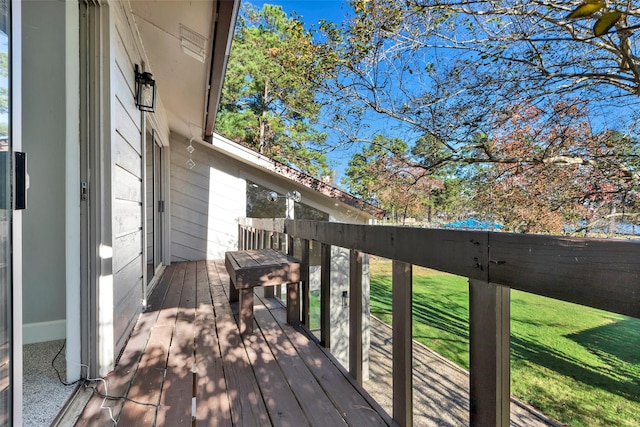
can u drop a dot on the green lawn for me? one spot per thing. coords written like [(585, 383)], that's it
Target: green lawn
[(576, 364)]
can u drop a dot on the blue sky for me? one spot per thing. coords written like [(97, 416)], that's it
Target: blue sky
[(310, 10)]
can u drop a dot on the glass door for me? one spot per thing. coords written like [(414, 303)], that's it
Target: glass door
[(154, 205), (158, 206), (6, 347)]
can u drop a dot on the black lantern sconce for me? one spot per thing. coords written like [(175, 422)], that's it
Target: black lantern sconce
[(145, 91)]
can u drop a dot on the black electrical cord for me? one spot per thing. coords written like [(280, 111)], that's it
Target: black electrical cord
[(104, 396), (56, 369), (87, 382)]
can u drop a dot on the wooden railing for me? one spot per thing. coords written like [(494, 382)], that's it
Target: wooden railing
[(603, 274)]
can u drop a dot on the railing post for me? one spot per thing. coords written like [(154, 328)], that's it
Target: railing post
[(489, 353), (279, 288), (245, 241), (325, 295), (355, 314), (304, 277), (402, 343)]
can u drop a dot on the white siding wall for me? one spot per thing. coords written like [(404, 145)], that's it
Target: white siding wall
[(206, 202), (127, 186)]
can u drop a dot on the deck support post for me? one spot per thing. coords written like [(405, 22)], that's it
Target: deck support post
[(489, 353), (402, 343), (325, 295), (355, 315)]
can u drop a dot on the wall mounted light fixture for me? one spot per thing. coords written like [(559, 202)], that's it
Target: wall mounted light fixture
[(295, 196), (145, 91)]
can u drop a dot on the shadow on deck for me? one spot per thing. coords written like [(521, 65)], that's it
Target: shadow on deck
[(186, 364)]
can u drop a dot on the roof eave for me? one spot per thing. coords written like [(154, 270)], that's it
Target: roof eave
[(225, 15)]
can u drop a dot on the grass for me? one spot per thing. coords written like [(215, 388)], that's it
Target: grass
[(576, 364)]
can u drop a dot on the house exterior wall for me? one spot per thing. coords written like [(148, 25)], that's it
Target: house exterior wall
[(127, 181), (206, 202), (129, 173), (44, 133)]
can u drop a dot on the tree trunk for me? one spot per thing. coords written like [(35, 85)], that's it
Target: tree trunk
[(612, 220), (263, 120)]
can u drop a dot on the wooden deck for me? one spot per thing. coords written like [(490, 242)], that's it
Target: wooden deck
[(186, 364)]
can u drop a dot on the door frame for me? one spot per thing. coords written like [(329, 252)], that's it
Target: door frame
[(73, 233), (156, 143), (96, 278)]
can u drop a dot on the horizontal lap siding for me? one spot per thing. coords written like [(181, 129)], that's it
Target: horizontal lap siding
[(127, 190), (206, 202)]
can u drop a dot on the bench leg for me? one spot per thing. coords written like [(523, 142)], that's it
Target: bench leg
[(246, 311), (268, 292), (293, 303), (233, 292)]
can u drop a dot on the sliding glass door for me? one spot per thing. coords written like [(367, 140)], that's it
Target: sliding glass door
[(6, 365), (154, 205)]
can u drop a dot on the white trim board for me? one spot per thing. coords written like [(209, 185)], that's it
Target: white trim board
[(44, 331)]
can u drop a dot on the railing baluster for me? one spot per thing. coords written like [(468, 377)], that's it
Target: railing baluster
[(305, 279), (402, 343), (269, 291), (355, 315), (293, 295), (489, 353), (325, 295)]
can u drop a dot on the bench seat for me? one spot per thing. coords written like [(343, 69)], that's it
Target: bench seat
[(262, 267)]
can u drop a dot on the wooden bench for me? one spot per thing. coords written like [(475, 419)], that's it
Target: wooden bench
[(262, 267)]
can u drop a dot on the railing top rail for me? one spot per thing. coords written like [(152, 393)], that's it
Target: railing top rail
[(275, 225), (599, 273)]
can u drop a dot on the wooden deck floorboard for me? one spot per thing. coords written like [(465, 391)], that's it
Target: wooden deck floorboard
[(99, 411), (187, 348)]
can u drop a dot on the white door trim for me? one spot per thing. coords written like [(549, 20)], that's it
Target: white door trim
[(72, 191), (16, 135)]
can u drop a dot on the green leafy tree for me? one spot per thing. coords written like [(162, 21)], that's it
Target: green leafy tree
[(384, 172), (453, 72), (269, 100), (572, 177)]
